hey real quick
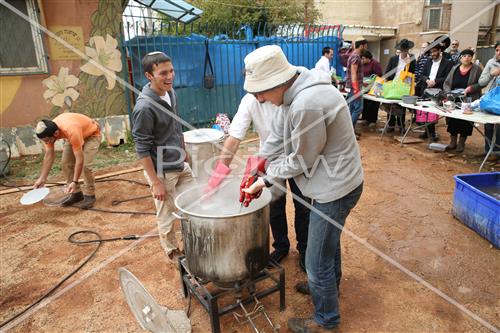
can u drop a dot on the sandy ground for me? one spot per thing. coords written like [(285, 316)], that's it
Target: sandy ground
[(404, 212)]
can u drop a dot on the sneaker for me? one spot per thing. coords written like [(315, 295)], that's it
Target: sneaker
[(307, 325), (278, 256), (434, 137), (72, 199), (303, 288), (88, 202)]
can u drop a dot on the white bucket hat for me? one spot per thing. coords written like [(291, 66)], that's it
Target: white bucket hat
[(267, 68)]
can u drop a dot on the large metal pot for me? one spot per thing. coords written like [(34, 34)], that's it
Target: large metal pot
[(202, 148), (224, 242)]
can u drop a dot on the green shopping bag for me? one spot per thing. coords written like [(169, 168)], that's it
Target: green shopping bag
[(395, 89)]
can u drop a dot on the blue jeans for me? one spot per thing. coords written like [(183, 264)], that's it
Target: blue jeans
[(355, 106), (279, 226), (323, 260), (488, 132)]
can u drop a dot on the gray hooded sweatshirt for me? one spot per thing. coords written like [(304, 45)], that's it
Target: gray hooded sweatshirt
[(312, 140), (156, 133)]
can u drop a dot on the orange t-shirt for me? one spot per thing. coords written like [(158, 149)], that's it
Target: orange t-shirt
[(75, 128)]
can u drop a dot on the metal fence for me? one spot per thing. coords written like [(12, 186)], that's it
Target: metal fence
[(227, 46)]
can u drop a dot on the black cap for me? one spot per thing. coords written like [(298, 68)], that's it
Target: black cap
[(45, 128)]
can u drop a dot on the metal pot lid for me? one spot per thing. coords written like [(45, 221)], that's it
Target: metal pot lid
[(148, 313), (202, 135)]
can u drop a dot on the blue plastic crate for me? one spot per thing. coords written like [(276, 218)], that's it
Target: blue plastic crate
[(477, 209)]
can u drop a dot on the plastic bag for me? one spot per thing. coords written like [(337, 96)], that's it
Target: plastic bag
[(395, 89), (377, 87), (409, 78), (426, 117), (491, 101), (223, 121)]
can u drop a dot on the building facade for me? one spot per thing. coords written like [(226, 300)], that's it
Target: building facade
[(472, 22), (58, 56)]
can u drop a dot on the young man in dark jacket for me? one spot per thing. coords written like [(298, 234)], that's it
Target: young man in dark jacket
[(159, 144), (433, 75), (396, 65)]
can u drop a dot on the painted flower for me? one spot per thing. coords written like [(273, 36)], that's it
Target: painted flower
[(105, 59), (60, 88)]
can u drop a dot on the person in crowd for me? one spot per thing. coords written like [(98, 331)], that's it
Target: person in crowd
[(344, 53), (454, 51), (433, 75), (354, 81), (251, 111), (444, 41), (82, 139), (490, 79), (396, 65), (159, 144), (463, 76), (305, 129), (323, 64), (370, 67), (423, 56)]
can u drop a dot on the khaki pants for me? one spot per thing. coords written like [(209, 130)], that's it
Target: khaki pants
[(175, 182), (90, 148)]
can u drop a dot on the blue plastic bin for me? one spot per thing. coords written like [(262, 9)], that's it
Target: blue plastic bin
[(475, 208)]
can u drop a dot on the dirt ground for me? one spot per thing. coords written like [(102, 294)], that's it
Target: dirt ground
[(404, 212)]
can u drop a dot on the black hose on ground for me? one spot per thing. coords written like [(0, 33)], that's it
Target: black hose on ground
[(99, 241)]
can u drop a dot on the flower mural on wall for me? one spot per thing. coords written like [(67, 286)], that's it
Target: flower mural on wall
[(105, 54), (61, 88)]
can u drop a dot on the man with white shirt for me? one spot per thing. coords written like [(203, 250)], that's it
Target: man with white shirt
[(433, 75), (260, 114), (159, 144), (323, 63)]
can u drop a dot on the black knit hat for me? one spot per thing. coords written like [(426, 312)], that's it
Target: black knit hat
[(467, 51), (45, 128)]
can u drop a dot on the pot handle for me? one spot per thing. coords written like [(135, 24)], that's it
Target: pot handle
[(179, 216)]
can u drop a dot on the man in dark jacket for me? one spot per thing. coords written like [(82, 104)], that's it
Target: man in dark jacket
[(396, 65), (159, 144), (433, 75)]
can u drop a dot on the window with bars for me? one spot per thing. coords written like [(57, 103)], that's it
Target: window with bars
[(21, 44), (437, 15)]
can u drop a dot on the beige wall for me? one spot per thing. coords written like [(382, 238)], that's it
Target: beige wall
[(462, 27), (345, 12), (405, 15), (486, 18)]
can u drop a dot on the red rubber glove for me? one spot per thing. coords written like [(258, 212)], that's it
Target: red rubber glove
[(218, 175), (355, 87), (256, 166)]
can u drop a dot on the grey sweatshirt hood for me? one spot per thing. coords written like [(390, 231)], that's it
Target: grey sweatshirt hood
[(312, 140), (308, 78)]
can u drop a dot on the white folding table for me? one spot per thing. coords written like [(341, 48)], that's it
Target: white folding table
[(476, 117)]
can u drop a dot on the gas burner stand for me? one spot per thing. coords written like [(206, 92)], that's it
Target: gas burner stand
[(192, 285)]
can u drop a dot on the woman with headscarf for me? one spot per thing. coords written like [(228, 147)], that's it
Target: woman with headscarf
[(466, 76)]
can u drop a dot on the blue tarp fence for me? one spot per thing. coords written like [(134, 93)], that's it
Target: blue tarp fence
[(199, 105)]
